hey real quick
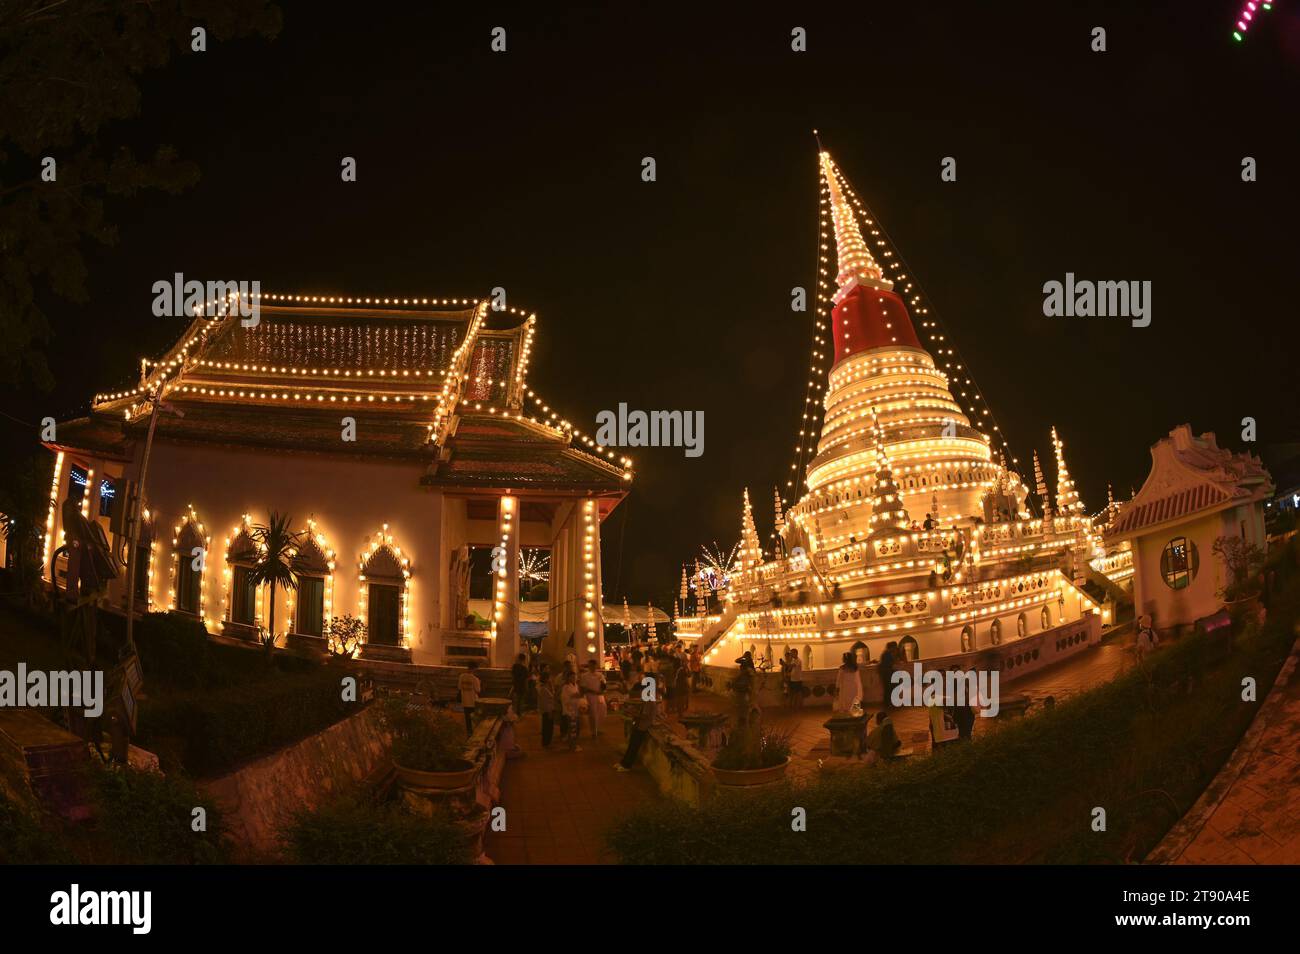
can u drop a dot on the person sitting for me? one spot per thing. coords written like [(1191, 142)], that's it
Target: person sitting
[(883, 741)]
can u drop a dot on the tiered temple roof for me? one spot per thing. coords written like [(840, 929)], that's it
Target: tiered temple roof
[(442, 385), (1190, 476)]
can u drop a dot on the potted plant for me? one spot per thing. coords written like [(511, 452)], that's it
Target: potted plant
[(277, 544), (428, 747), (1243, 561), (343, 634), (751, 756)]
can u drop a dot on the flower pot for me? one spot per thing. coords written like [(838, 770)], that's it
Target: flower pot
[(418, 781), (741, 778)]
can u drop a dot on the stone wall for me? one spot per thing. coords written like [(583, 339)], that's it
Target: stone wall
[(258, 799), (678, 768)]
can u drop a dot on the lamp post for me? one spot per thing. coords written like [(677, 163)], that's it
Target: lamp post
[(136, 512)]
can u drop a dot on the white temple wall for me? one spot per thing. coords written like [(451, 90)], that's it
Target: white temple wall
[(1169, 607), (350, 500)]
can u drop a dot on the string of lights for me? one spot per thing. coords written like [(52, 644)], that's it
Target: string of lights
[(944, 351)]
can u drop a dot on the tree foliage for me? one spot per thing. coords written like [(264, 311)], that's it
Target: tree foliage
[(69, 70)]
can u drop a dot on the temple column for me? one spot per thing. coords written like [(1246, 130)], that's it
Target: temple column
[(562, 585), (505, 584), (589, 633)]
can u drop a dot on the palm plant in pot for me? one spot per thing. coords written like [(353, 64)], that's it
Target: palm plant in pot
[(428, 748), (1243, 561), (277, 545)]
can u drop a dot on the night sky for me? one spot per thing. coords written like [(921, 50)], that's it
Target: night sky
[(522, 169)]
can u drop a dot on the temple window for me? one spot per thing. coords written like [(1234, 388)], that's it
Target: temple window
[(240, 559), (1179, 563), (313, 565), (189, 550), (384, 576), (967, 639), (910, 650), (995, 632)]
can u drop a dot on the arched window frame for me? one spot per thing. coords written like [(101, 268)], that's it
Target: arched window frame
[(241, 551), (314, 560), (383, 542), (185, 535)]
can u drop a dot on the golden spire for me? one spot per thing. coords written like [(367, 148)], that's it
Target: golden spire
[(857, 266)]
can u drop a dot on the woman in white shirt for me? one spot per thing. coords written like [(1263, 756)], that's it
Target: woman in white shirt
[(848, 686)]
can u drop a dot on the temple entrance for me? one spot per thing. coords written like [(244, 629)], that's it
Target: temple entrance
[(384, 623)]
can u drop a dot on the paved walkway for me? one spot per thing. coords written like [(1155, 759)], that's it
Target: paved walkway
[(559, 803), (1250, 813)]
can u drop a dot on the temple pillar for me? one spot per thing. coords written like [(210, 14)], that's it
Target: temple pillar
[(589, 634), (562, 588), (505, 583)]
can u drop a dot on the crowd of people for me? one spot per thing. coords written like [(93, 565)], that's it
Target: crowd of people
[(576, 696), (641, 678)]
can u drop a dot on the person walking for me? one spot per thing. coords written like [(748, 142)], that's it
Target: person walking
[(641, 725), (570, 701), (681, 696), (696, 666), (795, 671), (546, 704), (888, 663), (592, 684), (469, 688), (519, 683)]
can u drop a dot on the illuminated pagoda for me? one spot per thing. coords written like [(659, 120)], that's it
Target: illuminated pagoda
[(906, 527), (401, 436)]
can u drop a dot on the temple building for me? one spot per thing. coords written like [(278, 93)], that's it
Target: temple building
[(906, 527), (421, 472), (1196, 493)]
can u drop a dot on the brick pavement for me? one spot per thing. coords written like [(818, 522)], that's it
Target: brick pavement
[(1250, 813), (559, 803)]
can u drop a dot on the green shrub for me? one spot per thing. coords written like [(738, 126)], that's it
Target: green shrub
[(348, 831), (212, 731), (23, 841), (423, 739), (148, 818), (175, 652)]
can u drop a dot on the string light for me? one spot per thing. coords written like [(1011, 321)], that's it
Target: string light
[(1246, 17)]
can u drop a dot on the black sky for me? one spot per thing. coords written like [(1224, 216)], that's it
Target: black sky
[(522, 169)]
